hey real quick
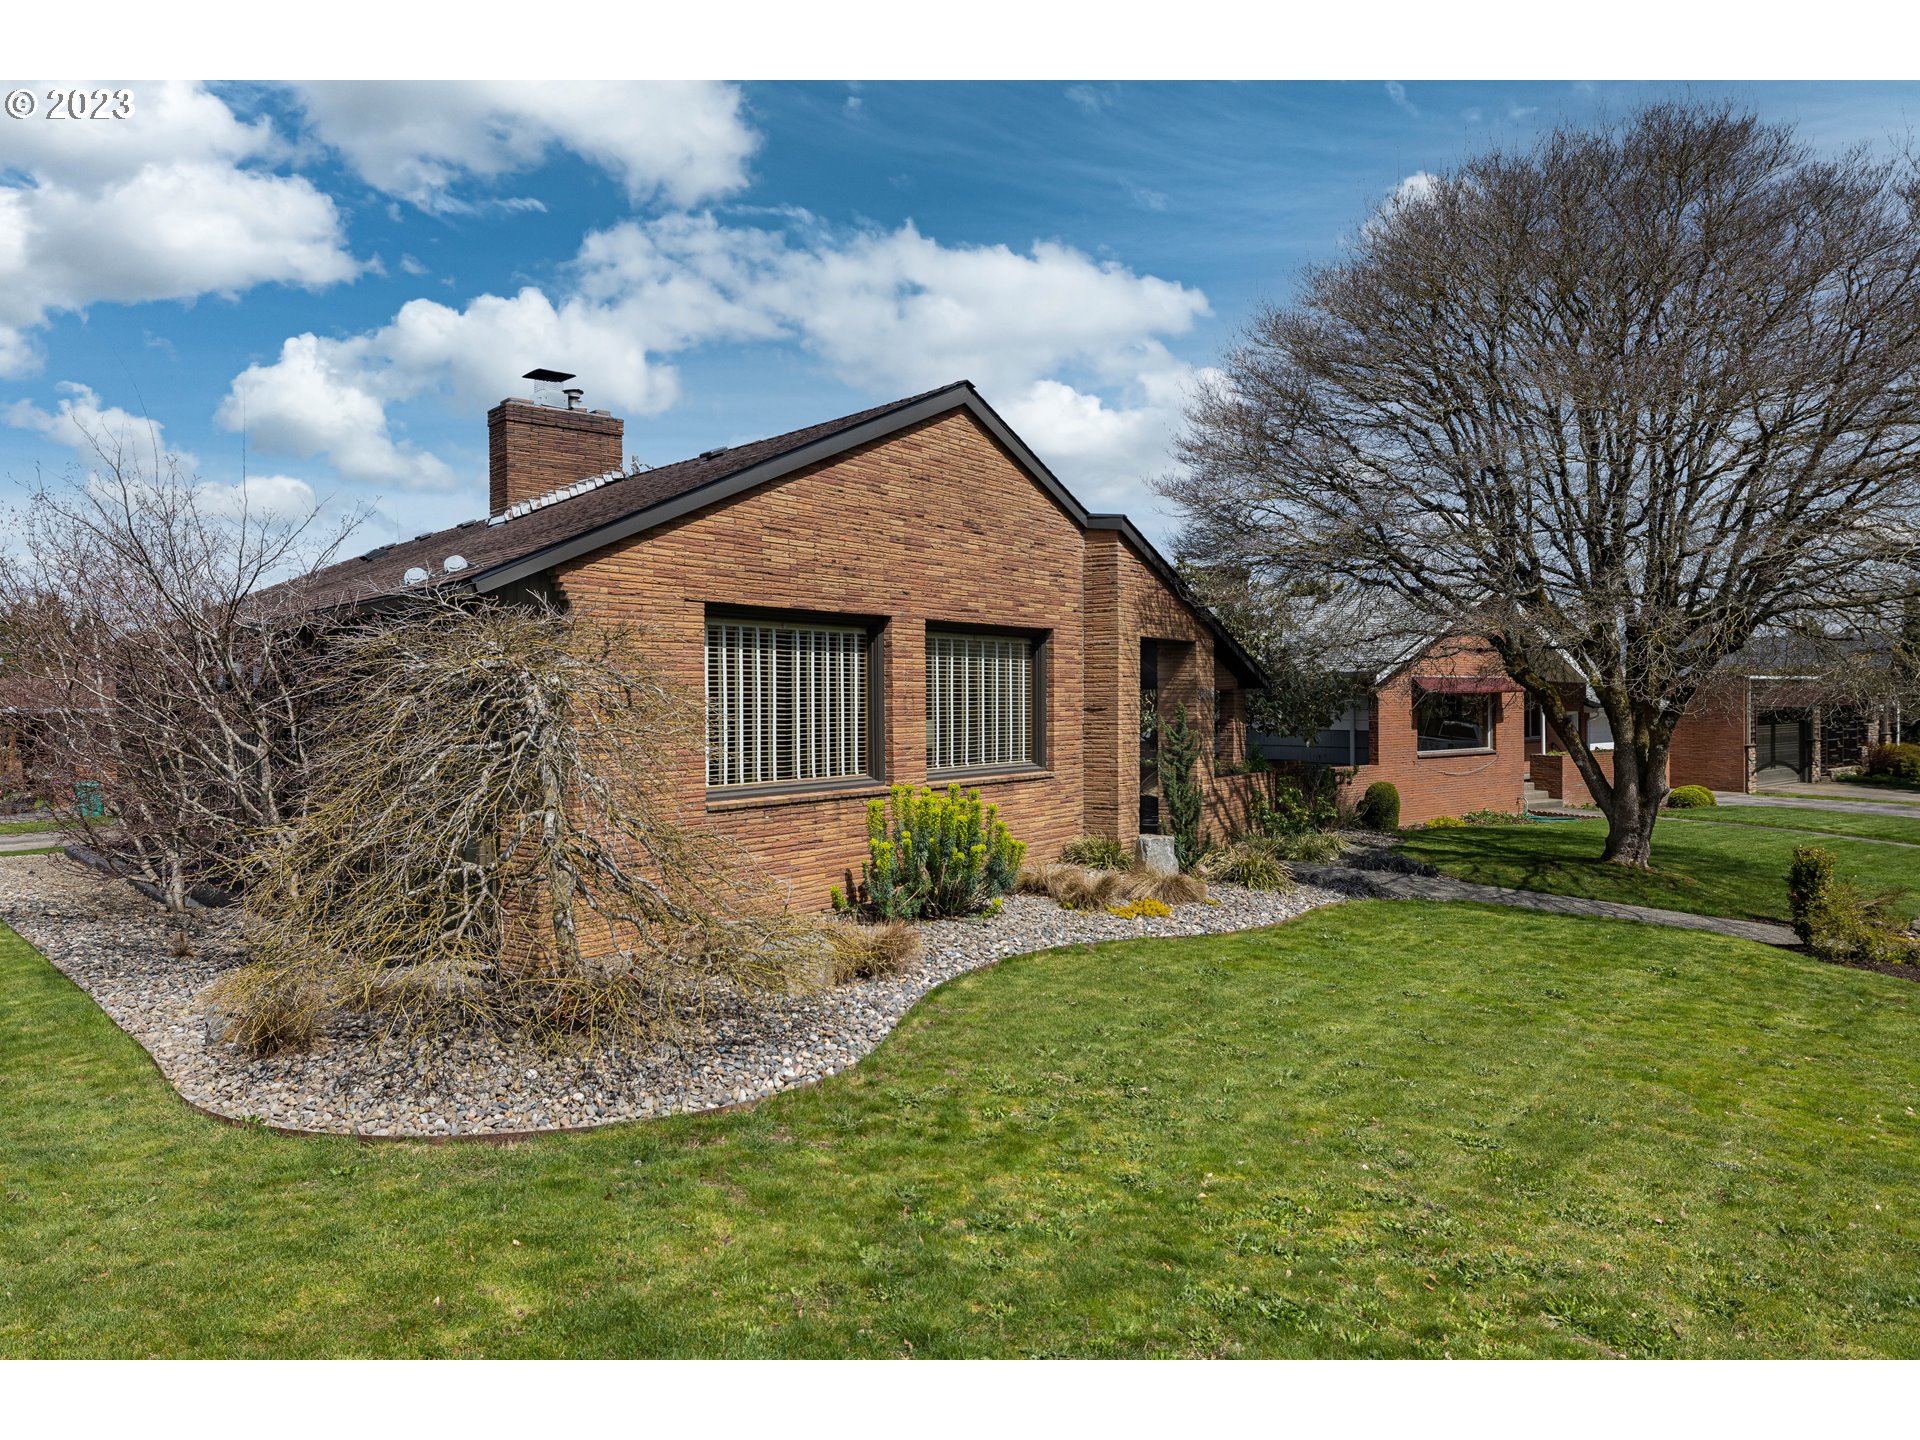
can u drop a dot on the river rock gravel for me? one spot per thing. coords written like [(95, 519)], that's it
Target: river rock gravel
[(360, 1080)]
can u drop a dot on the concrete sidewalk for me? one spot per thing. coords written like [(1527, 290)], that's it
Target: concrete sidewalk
[(33, 840), (1383, 886), (1845, 805)]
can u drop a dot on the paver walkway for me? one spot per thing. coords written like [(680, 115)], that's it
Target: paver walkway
[(1907, 811), (1442, 887)]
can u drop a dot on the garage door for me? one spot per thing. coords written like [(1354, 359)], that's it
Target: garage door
[(1780, 748)]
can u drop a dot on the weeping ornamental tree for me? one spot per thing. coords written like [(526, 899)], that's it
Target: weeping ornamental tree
[(1617, 403), (491, 834)]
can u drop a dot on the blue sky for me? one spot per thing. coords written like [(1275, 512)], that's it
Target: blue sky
[(349, 275)]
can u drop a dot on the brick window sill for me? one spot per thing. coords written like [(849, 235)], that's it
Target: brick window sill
[(966, 781), (720, 801)]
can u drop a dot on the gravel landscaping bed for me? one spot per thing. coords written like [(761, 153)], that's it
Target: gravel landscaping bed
[(115, 946)]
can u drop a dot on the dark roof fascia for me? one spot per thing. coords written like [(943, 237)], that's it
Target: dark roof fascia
[(960, 395), (1248, 668)]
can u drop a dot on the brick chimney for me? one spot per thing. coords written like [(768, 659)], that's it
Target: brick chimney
[(532, 449)]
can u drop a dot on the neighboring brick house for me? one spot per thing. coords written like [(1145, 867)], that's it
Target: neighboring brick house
[(1743, 729), (1753, 729), (1441, 721), (902, 595)]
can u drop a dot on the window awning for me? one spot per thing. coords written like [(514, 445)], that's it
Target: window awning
[(1467, 684)]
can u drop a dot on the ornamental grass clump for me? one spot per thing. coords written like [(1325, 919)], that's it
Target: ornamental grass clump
[(1074, 887), (1177, 888), (931, 855), (870, 952), (1316, 847), (1096, 852), (1250, 865)]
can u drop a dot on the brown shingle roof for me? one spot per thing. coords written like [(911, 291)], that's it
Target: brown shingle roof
[(488, 547), (498, 556)]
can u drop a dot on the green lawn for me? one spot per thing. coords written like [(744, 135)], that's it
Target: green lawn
[(27, 827), (1733, 870), (1385, 1129), (1829, 822)]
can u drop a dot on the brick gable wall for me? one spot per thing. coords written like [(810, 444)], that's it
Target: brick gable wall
[(935, 524)]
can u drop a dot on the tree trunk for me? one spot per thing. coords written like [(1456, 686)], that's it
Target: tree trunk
[(1638, 785)]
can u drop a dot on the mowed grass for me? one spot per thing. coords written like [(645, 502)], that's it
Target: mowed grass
[(1385, 1129), (1705, 869), (1826, 822), (28, 827)]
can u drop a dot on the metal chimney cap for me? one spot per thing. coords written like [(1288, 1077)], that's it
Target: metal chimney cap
[(548, 377)]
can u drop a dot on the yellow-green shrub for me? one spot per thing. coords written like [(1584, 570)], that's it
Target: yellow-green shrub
[(936, 854), (1146, 906)]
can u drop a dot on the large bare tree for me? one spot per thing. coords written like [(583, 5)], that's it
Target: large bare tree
[(1619, 403), (162, 626)]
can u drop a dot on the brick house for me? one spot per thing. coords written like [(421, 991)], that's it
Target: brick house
[(1742, 730), (1752, 729), (903, 595), (1441, 720)]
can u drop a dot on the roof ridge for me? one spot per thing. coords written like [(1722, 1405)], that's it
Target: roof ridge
[(558, 493)]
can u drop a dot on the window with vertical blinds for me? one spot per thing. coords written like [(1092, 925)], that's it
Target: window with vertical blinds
[(979, 701), (785, 702)]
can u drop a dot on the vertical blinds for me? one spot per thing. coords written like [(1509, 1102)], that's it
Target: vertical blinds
[(785, 702), (979, 701)]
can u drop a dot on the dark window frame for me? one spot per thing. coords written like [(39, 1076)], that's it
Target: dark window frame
[(876, 627), (1040, 643), (1490, 712)]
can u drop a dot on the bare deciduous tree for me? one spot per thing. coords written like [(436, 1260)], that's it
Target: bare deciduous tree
[(162, 625), (1618, 403), (492, 834)]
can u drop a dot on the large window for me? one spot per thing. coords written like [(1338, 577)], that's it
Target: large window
[(980, 701), (1453, 722), (785, 702)]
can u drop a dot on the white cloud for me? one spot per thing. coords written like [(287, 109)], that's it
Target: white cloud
[(283, 495), (171, 204), (889, 312), (81, 423), (98, 433), (1090, 98), (1146, 199), (320, 397), (684, 140), (1108, 452), (1397, 93), (1415, 187)]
